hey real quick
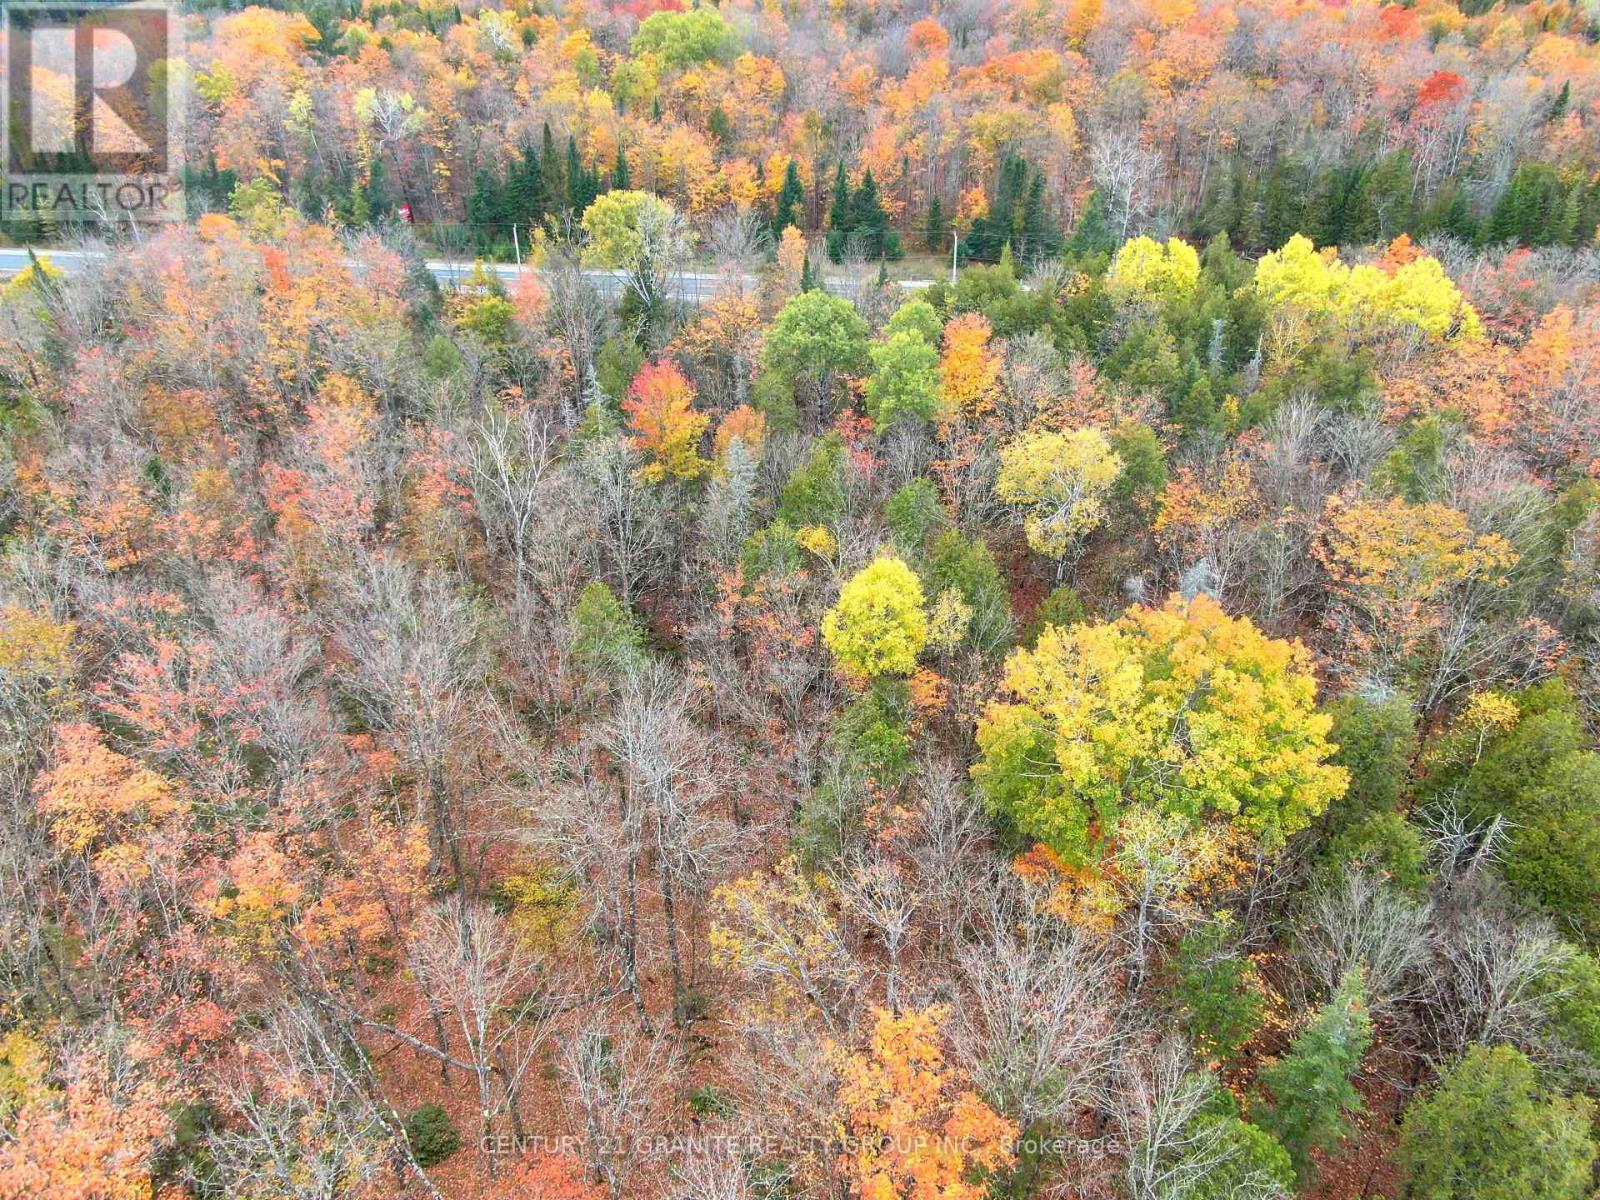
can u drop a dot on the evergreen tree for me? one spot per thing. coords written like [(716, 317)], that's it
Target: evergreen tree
[(1566, 226), (1040, 237), (360, 210), (525, 196), (1311, 1088), (555, 182), (1492, 1131), (840, 215), (1558, 106), (839, 212), (486, 207), (791, 201), (934, 230), (379, 202), (1335, 211), (1450, 213), (1284, 203), (619, 173), (868, 220), (1091, 235), (582, 185), (1017, 216), (1530, 210), (1384, 210)]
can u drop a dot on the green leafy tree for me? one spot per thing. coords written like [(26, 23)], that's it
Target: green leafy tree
[(918, 317), (605, 637), (814, 338), (904, 384), (1376, 739), (1489, 1131), (1383, 844), (914, 513), (1217, 988), (1312, 1093), (624, 229), (682, 39), (814, 493), (1525, 758), (967, 566)]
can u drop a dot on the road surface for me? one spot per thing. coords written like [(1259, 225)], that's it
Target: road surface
[(694, 287)]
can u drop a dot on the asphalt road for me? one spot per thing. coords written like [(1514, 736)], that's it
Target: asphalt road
[(691, 286)]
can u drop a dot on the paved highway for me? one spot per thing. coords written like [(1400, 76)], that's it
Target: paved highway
[(694, 287)]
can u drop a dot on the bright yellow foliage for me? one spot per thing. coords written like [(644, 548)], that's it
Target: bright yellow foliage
[(913, 1128), (818, 539), (949, 619), (1408, 554), (878, 626), (1316, 285), (1060, 482), (1181, 708), (34, 647), (1146, 268), (544, 905)]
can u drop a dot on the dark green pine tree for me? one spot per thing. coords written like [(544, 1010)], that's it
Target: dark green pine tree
[(379, 202), (935, 232), (1284, 203), (839, 212), (1529, 210), (791, 201), (555, 181), (619, 174), (1567, 224), (579, 195), (1558, 107), (525, 189), (1449, 212), (991, 233), (1040, 237), (1091, 235), (1340, 195), (1225, 206), (1311, 1089), (1384, 210), (840, 215), (867, 217), (486, 207)]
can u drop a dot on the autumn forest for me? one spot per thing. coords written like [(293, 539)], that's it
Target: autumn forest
[(869, 600)]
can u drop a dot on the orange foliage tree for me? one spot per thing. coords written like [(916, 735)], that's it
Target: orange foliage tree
[(969, 368), (665, 427), (913, 1128)]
